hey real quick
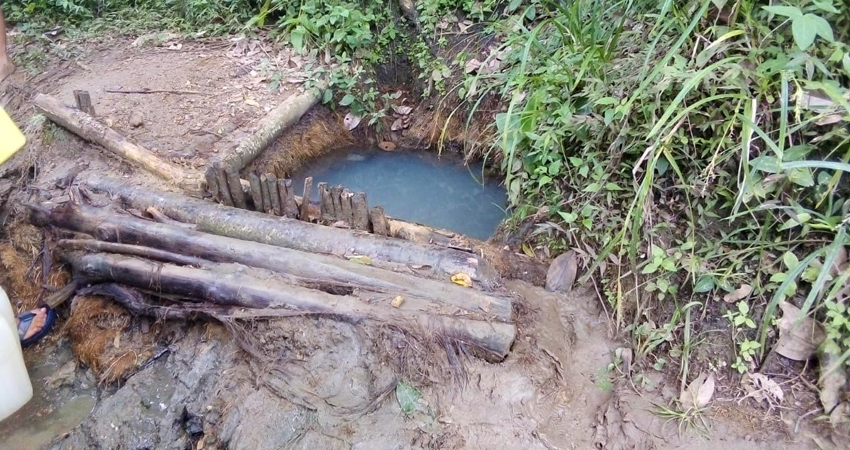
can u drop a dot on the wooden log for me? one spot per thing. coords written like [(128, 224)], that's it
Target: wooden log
[(129, 249), (271, 127), (304, 211), (267, 196), (256, 192), (360, 211), (274, 195), (83, 100), (379, 221), (336, 194), (288, 203), (345, 201), (88, 128), (378, 285), (212, 183), (252, 226), (326, 206), (230, 285), (235, 185), (223, 188)]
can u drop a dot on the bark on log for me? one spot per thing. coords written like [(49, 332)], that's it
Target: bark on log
[(267, 196), (271, 127), (235, 185), (304, 212), (360, 211), (379, 221), (256, 192), (326, 206), (290, 207), (128, 249), (345, 200), (274, 195), (223, 188), (420, 294), (229, 285), (92, 130), (336, 193), (210, 176), (257, 227)]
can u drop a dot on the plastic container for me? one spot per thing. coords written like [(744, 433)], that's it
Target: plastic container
[(11, 138), (15, 386)]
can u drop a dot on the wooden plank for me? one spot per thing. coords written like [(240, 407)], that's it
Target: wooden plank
[(256, 192), (274, 195), (360, 211), (379, 221), (304, 212)]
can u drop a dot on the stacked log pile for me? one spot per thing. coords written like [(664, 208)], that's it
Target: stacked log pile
[(210, 270)]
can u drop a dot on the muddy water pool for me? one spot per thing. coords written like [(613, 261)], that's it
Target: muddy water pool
[(417, 186)]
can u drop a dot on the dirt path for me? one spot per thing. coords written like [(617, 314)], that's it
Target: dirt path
[(320, 383)]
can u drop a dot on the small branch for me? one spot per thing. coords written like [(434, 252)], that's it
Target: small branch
[(128, 249), (154, 91)]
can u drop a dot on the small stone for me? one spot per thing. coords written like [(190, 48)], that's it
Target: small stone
[(136, 119), (397, 301), (64, 376), (109, 121), (562, 273)]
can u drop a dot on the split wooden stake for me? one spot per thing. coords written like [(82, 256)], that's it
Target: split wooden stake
[(287, 198), (379, 221), (267, 196), (235, 185), (305, 200), (345, 200), (360, 211), (256, 192), (326, 205), (271, 182), (83, 100), (223, 189)]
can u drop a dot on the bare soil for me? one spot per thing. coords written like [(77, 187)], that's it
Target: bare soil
[(310, 383)]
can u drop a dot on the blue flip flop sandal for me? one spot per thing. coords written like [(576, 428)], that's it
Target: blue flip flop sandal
[(25, 320)]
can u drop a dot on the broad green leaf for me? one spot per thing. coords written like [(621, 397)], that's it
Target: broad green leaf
[(408, 397), (592, 187), (612, 187), (568, 217), (743, 307), (820, 25), (513, 5), (650, 268), (825, 5), (846, 63), (803, 177), (704, 284), (785, 11), (804, 32), (669, 265), (790, 260), (769, 164), (296, 38), (347, 100)]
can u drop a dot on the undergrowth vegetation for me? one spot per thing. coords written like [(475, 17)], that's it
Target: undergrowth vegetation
[(695, 153)]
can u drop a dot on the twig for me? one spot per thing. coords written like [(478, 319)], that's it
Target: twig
[(153, 91)]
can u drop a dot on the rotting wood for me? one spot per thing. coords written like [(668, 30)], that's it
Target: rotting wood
[(253, 226), (271, 127), (304, 211), (379, 221), (90, 129), (223, 189), (345, 201), (274, 195), (230, 285), (235, 185), (62, 295), (288, 203), (326, 206), (336, 194), (360, 211), (83, 101), (377, 285), (267, 196), (256, 192)]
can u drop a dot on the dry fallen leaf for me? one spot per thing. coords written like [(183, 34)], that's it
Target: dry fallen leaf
[(252, 102), (472, 65), (361, 259), (562, 272), (699, 392), (798, 340), (403, 110), (398, 124), (738, 294), (762, 388), (462, 279), (351, 121), (387, 146), (397, 301)]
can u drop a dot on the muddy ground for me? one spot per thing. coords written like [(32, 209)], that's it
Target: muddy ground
[(309, 383)]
